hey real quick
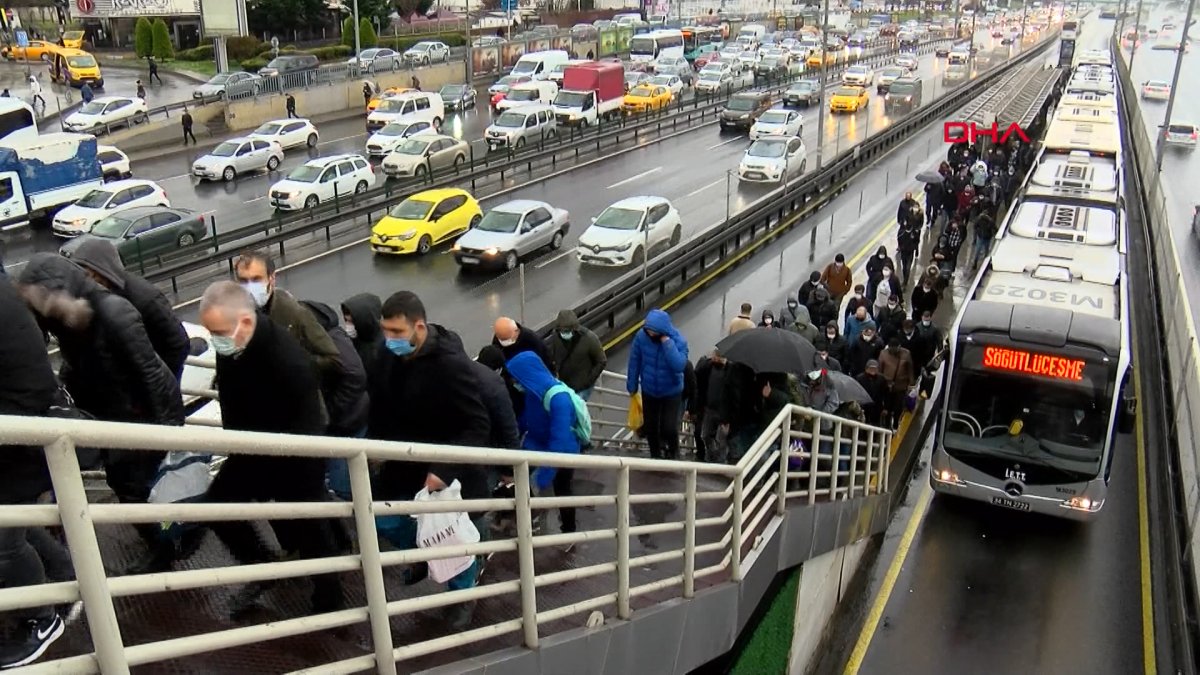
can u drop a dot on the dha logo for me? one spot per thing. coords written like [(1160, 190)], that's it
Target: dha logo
[(954, 132)]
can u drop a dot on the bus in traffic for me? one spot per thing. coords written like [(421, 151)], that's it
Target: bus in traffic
[(652, 46), (700, 40)]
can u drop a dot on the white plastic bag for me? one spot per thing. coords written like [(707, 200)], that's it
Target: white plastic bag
[(182, 477), (438, 530)]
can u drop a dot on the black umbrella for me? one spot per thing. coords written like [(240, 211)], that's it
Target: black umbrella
[(768, 350), (930, 177), (847, 388)]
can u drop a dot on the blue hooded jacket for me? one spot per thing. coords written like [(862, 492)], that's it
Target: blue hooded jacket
[(655, 367), (544, 431)]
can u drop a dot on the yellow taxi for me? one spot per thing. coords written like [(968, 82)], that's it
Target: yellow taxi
[(73, 39), (390, 91), (645, 97), (814, 59), (38, 50), (424, 220), (849, 99)]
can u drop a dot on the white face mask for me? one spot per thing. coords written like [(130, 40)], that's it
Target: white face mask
[(351, 331), (508, 343), (831, 334), (768, 321), (891, 305), (887, 273)]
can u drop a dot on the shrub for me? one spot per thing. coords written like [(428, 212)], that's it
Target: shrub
[(348, 31), (252, 65), (161, 41), (241, 48), (366, 33), (201, 53), (143, 37), (332, 53)]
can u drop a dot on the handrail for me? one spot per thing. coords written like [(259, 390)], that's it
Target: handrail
[(751, 494)]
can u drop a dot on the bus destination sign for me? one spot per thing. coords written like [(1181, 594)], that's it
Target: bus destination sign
[(1043, 365)]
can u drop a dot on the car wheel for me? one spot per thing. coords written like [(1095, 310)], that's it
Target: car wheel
[(272, 163), (459, 161), (420, 171), (228, 174), (475, 220), (312, 140), (520, 143), (361, 187), (511, 260), (424, 245), (556, 242), (676, 235), (186, 239), (639, 257), (311, 201)]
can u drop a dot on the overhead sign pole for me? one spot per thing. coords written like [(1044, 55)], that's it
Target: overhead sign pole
[(1162, 132)]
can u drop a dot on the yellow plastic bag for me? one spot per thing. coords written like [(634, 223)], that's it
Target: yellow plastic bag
[(634, 419)]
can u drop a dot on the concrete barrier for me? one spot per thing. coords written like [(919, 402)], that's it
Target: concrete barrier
[(823, 580), (324, 99), (162, 130)]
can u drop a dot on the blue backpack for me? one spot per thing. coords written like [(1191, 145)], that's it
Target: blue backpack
[(583, 419)]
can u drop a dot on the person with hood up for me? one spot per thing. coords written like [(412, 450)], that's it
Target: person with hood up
[(896, 366), (267, 385), (657, 361), (816, 393), (887, 287), (838, 278), (924, 298), (864, 348), (425, 390), (804, 295), (876, 387), (548, 424), (99, 258), (797, 319), (512, 338), (767, 320), (908, 246), (707, 407), (875, 265), (576, 353), (35, 92), (834, 341), (109, 366), (857, 300), (742, 321), (891, 318), (979, 173), (360, 316), (822, 309)]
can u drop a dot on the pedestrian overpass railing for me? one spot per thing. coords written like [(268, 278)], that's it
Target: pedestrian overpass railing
[(727, 513)]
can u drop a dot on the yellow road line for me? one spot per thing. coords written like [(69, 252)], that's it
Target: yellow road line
[(1149, 662), (889, 582)]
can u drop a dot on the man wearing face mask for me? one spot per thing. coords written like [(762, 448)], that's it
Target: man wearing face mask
[(891, 318), (360, 316), (767, 320), (795, 317), (855, 323), (512, 338), (255, 271), (823, 360), (253, 352), (924, 298), (864, 348), (822, 309), (875, 265), (834, 341), (859, 299), (837, 278), (577, 354), (896, 366), (657, 362), (930, 340)]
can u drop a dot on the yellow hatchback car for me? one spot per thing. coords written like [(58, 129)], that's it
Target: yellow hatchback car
[(645, 97), (814, 59), (424, 220), (390, 91), (849, 99)]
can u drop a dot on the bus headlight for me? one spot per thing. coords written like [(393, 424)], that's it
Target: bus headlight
[(1083, 504), (945, 476)]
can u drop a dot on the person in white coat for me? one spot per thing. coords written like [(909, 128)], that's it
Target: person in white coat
[(35, 92)]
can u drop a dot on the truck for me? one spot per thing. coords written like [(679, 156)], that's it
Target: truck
[(40, 175), (591, 92)]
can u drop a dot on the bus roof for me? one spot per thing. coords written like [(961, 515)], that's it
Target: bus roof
[(1075, 224), (1045, 274), (1068, 135), (1084, 99), (1076, 176)]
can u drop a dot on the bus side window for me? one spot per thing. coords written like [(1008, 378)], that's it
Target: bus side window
[(6, 190)]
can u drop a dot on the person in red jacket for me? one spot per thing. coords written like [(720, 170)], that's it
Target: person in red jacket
[(838, 278)]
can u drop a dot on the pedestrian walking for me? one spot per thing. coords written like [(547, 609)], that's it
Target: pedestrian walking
[(838, 279), (709, 410), (186, 121), (985, 231), (416, 84), (85, 93), (908, 245), (141, 90), (742, 321), (896, 366), (290, 104), (360, 316), (35, 92), (512, 338), (924, 299), (876, 387), (368, 93), (576, 353), (656, 363), (153, 70)]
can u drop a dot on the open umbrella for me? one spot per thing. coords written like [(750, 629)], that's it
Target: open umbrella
[(768, 350), (930, 177), (847, 388)]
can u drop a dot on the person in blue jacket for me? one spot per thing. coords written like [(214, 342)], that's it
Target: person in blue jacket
[(656, 364), (547, 428)]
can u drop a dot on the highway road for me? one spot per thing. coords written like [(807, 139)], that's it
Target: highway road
[(118, 81)]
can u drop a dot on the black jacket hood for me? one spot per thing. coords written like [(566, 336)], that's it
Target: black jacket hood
[(55, 273), (101, 257), (364, 310), (324, 314)]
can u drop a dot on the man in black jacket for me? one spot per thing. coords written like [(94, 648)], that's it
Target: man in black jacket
[(360, 314), (706, 408), (99, 258), (426, 390), (512, 338), (577, 354), (28, 387), (267, 384)]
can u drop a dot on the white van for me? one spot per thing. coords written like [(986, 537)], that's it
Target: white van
[(408, 106), (529, 93), (538, 65)]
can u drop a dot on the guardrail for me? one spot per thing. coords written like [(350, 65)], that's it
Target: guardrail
[(726, 510), (1180, 371), (604, 137)]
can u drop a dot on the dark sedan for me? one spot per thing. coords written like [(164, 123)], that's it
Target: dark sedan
[(145, 232), (458, 96)]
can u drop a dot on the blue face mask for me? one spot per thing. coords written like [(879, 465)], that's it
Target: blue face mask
[(258, 290), (400, 346), (226, 345)]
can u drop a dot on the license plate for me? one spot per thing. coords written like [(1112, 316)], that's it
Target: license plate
[(468, 261), (1010, 503), (755, 175), (382, 249)]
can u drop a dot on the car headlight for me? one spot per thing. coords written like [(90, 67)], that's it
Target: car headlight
[(743, 116), (285, 195), (624, 247), (405, 236), (79, 222), (492, 251)]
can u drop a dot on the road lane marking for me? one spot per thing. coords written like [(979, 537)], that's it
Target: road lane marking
[(555, 258), (251, 201), (889, 581), (1149, 662), (699, 190), (735, 138), (634, 178)]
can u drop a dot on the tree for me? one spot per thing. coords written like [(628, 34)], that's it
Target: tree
[(366, 33), (348, 31), (143, 38), (284, 17), (161, 41)]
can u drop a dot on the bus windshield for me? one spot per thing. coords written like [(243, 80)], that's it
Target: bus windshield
[(1052, 410), (643, 46)]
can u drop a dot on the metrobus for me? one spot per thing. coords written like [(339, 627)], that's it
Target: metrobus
[(698, 41), (657, 44), (1070, 29), (1066, 50)]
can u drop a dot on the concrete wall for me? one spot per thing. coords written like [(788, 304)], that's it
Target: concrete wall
[(822, 582), (337, 97), (165, 131)]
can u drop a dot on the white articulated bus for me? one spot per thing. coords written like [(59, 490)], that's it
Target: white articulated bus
[(652, 46)]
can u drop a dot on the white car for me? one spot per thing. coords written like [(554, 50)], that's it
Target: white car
[(106, 112), (777, 122), (386, 139), (78, 218), (671, 82), (320, 180), (237, 83), (907, 61), (623, 232), (511, 231), (747, 60), (420, 155), (712, 82), (1156, 90), (377, 58), (1180, 133), (858, 76), (730, 58), (237, 156), (427, 52), (114, 164), (288, 133), (773, 160)]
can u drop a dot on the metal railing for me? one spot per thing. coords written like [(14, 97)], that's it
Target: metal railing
[(726, 511)]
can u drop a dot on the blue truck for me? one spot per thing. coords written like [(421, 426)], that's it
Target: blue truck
[(40, 175)]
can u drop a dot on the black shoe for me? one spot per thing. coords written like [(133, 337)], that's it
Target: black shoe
[(157, 559), (415, 574), (244, 600), (31, 641), (459, 616)]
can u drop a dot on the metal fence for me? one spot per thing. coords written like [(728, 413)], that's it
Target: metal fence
[(726, 509)]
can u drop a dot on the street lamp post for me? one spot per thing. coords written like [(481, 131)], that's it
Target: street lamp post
[(1137, 34), (357, 37), (821, 87), (1162, 132)]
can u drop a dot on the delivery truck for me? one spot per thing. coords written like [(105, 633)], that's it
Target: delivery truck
[(38, 176), (591, 92)]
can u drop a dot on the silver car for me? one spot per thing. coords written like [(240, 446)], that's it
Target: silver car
[(511, 231), (420, 154), (237, 156)]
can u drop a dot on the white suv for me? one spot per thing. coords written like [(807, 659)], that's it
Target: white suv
[(320, 180), (1180, 133)]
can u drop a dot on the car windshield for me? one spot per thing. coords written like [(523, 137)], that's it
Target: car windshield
[(524, 66), (661, 80), (903, 89), (453, 90), (769, 62), (615, 218), (412, 146), (511, 120), (390, 105), (804, 85), (499, 221), (710, 77), (510, 80), (642, 91), (81, 61), (95, 199), (112, 227), (411, 209), (741, 103), (268, 129), (767, 148), (93, 108), (225, 150), (858, 70), (1157, 84), (220, 78), (73, 35), (393, 130), (570, 99), (774, 117), (422, 47), (305, 174), (892, 72), (522, 95), (368, 54), (846, 91), (1181, 129)]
